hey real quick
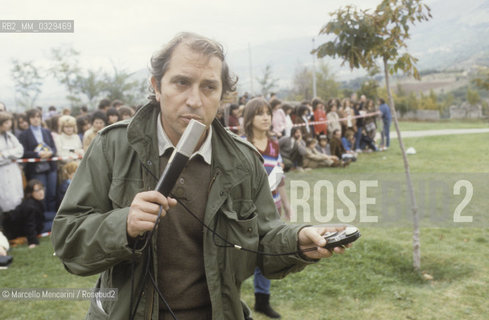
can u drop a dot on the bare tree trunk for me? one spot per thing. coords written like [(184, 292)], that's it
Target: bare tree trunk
[(414, 208)]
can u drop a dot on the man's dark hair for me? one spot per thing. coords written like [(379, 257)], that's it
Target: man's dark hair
[(104, 103), (99, 115), (382, 101), (31, 113), (160, 61)]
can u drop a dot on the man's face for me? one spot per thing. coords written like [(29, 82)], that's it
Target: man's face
[(190, 89), (35, 120)]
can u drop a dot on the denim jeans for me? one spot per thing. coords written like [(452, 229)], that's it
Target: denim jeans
[(358, 137), (262, 284), (385, 134)]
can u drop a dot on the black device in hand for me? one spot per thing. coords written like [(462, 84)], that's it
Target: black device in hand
[(341, 238)]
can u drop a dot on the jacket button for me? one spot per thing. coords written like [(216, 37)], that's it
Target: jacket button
[(250, 229), (149, 162), (179, 192)]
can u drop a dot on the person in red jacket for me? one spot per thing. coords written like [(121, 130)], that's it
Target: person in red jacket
[(319, 116)]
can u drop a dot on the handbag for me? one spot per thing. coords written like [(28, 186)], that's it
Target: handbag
[(41, 167)]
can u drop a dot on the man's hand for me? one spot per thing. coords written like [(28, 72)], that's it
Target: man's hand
[(144, 211), (312, 237)]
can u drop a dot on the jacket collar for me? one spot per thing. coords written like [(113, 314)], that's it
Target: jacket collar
[(141, 135)]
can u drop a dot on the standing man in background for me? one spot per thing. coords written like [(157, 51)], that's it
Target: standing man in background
[(386, 120)]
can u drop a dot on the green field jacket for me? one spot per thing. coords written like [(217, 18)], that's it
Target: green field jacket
[(89, 231)]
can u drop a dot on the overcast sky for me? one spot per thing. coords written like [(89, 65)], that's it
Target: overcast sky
[(127, 33)]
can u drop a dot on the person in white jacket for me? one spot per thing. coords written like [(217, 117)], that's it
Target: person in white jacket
[(68, 142), (11, 189)]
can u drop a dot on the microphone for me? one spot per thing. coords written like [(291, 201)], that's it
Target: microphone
[(179, 157)]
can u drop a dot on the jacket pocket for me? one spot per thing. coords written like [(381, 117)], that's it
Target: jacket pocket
[(96, 311), (123, 191), (239, 224)]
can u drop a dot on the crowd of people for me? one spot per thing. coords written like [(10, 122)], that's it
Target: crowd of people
[(39, 154), (315, 134)]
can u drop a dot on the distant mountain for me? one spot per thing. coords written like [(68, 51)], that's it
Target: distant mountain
[(456, 38)]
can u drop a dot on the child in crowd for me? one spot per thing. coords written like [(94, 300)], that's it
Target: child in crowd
[(67, 174), (27, 220)]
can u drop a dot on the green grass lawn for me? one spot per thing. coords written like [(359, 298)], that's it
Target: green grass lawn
[(373, 280)]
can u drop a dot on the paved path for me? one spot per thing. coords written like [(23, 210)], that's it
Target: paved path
[(426, 133)]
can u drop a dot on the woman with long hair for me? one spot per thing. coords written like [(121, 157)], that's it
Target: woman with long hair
[(257, 125), (11, 192)]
